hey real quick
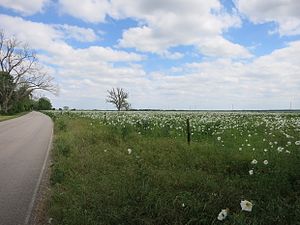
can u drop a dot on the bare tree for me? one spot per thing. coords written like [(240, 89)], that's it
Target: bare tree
[(118, 97), (21, 74)]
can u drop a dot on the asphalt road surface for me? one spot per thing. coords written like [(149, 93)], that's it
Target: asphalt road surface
[(24, 148)]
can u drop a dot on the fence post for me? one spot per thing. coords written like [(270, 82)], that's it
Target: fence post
[(188, 131)]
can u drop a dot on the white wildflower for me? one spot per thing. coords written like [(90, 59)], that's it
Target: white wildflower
[(223, 214), (254, 161), (219, 138), (279, 149), (297, 143), (246, 206), (266, 162), (251, 172), (129, 151)]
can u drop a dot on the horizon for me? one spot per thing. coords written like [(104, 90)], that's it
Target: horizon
[(168, 55)]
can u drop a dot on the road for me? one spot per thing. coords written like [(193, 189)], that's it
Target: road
[(24, 148)]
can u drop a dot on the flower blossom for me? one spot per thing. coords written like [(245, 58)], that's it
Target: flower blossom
[(246, 205), (223, 214), (254, 161)]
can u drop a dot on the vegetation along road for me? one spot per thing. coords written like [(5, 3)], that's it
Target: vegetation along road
[(24, 147)]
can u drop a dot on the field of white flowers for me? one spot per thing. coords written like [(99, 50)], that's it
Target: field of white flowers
[(246, 166)]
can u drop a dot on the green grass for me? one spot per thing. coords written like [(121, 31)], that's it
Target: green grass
[(164, 181), (8, 117)]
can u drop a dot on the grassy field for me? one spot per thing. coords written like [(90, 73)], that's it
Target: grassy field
[(8, 117), (137, 168)]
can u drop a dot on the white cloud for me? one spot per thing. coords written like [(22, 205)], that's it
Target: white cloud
[(92, 11), (285, 13), (51, 38), (166, 24), (26, 8), (77, 33)]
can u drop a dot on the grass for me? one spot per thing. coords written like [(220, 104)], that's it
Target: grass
[(164, 181), (8, 117)]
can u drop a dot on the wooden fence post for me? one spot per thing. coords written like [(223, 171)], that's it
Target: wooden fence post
[(188, 131)]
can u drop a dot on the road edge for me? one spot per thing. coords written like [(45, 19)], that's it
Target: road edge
[(42, 173)]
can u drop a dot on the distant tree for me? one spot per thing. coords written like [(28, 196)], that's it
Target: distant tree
[(44, 104), (20, 73), (118, 97), (66, 108)]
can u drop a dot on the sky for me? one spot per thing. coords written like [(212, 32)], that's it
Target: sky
[(167, 54)]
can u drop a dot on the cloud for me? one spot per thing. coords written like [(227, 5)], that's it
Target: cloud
[(52, 39), (28, 7), (92, 11), (166, 24), (77, 33), (285, 13)]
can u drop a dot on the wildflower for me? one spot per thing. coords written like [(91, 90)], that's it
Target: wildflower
[(254, 161), (266, 162), (289, 143), (265, 150), (240, 149), (246, 206), (129, 151), (279, 149), (183, 205), (251, 172), (219, 138), (297, 143), (287, 151), (223, 214)]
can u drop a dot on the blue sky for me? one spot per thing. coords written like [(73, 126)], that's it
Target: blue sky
[(171, 54)]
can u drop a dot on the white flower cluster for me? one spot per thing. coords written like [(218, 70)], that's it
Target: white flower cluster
[(245, 205)]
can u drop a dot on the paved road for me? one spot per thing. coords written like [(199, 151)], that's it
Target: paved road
[(24, 144)]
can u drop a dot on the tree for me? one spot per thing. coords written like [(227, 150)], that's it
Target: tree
[(20, 73), (44, 104), (118, 97)]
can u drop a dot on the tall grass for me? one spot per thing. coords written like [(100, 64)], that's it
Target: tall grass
[(106, 174)]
